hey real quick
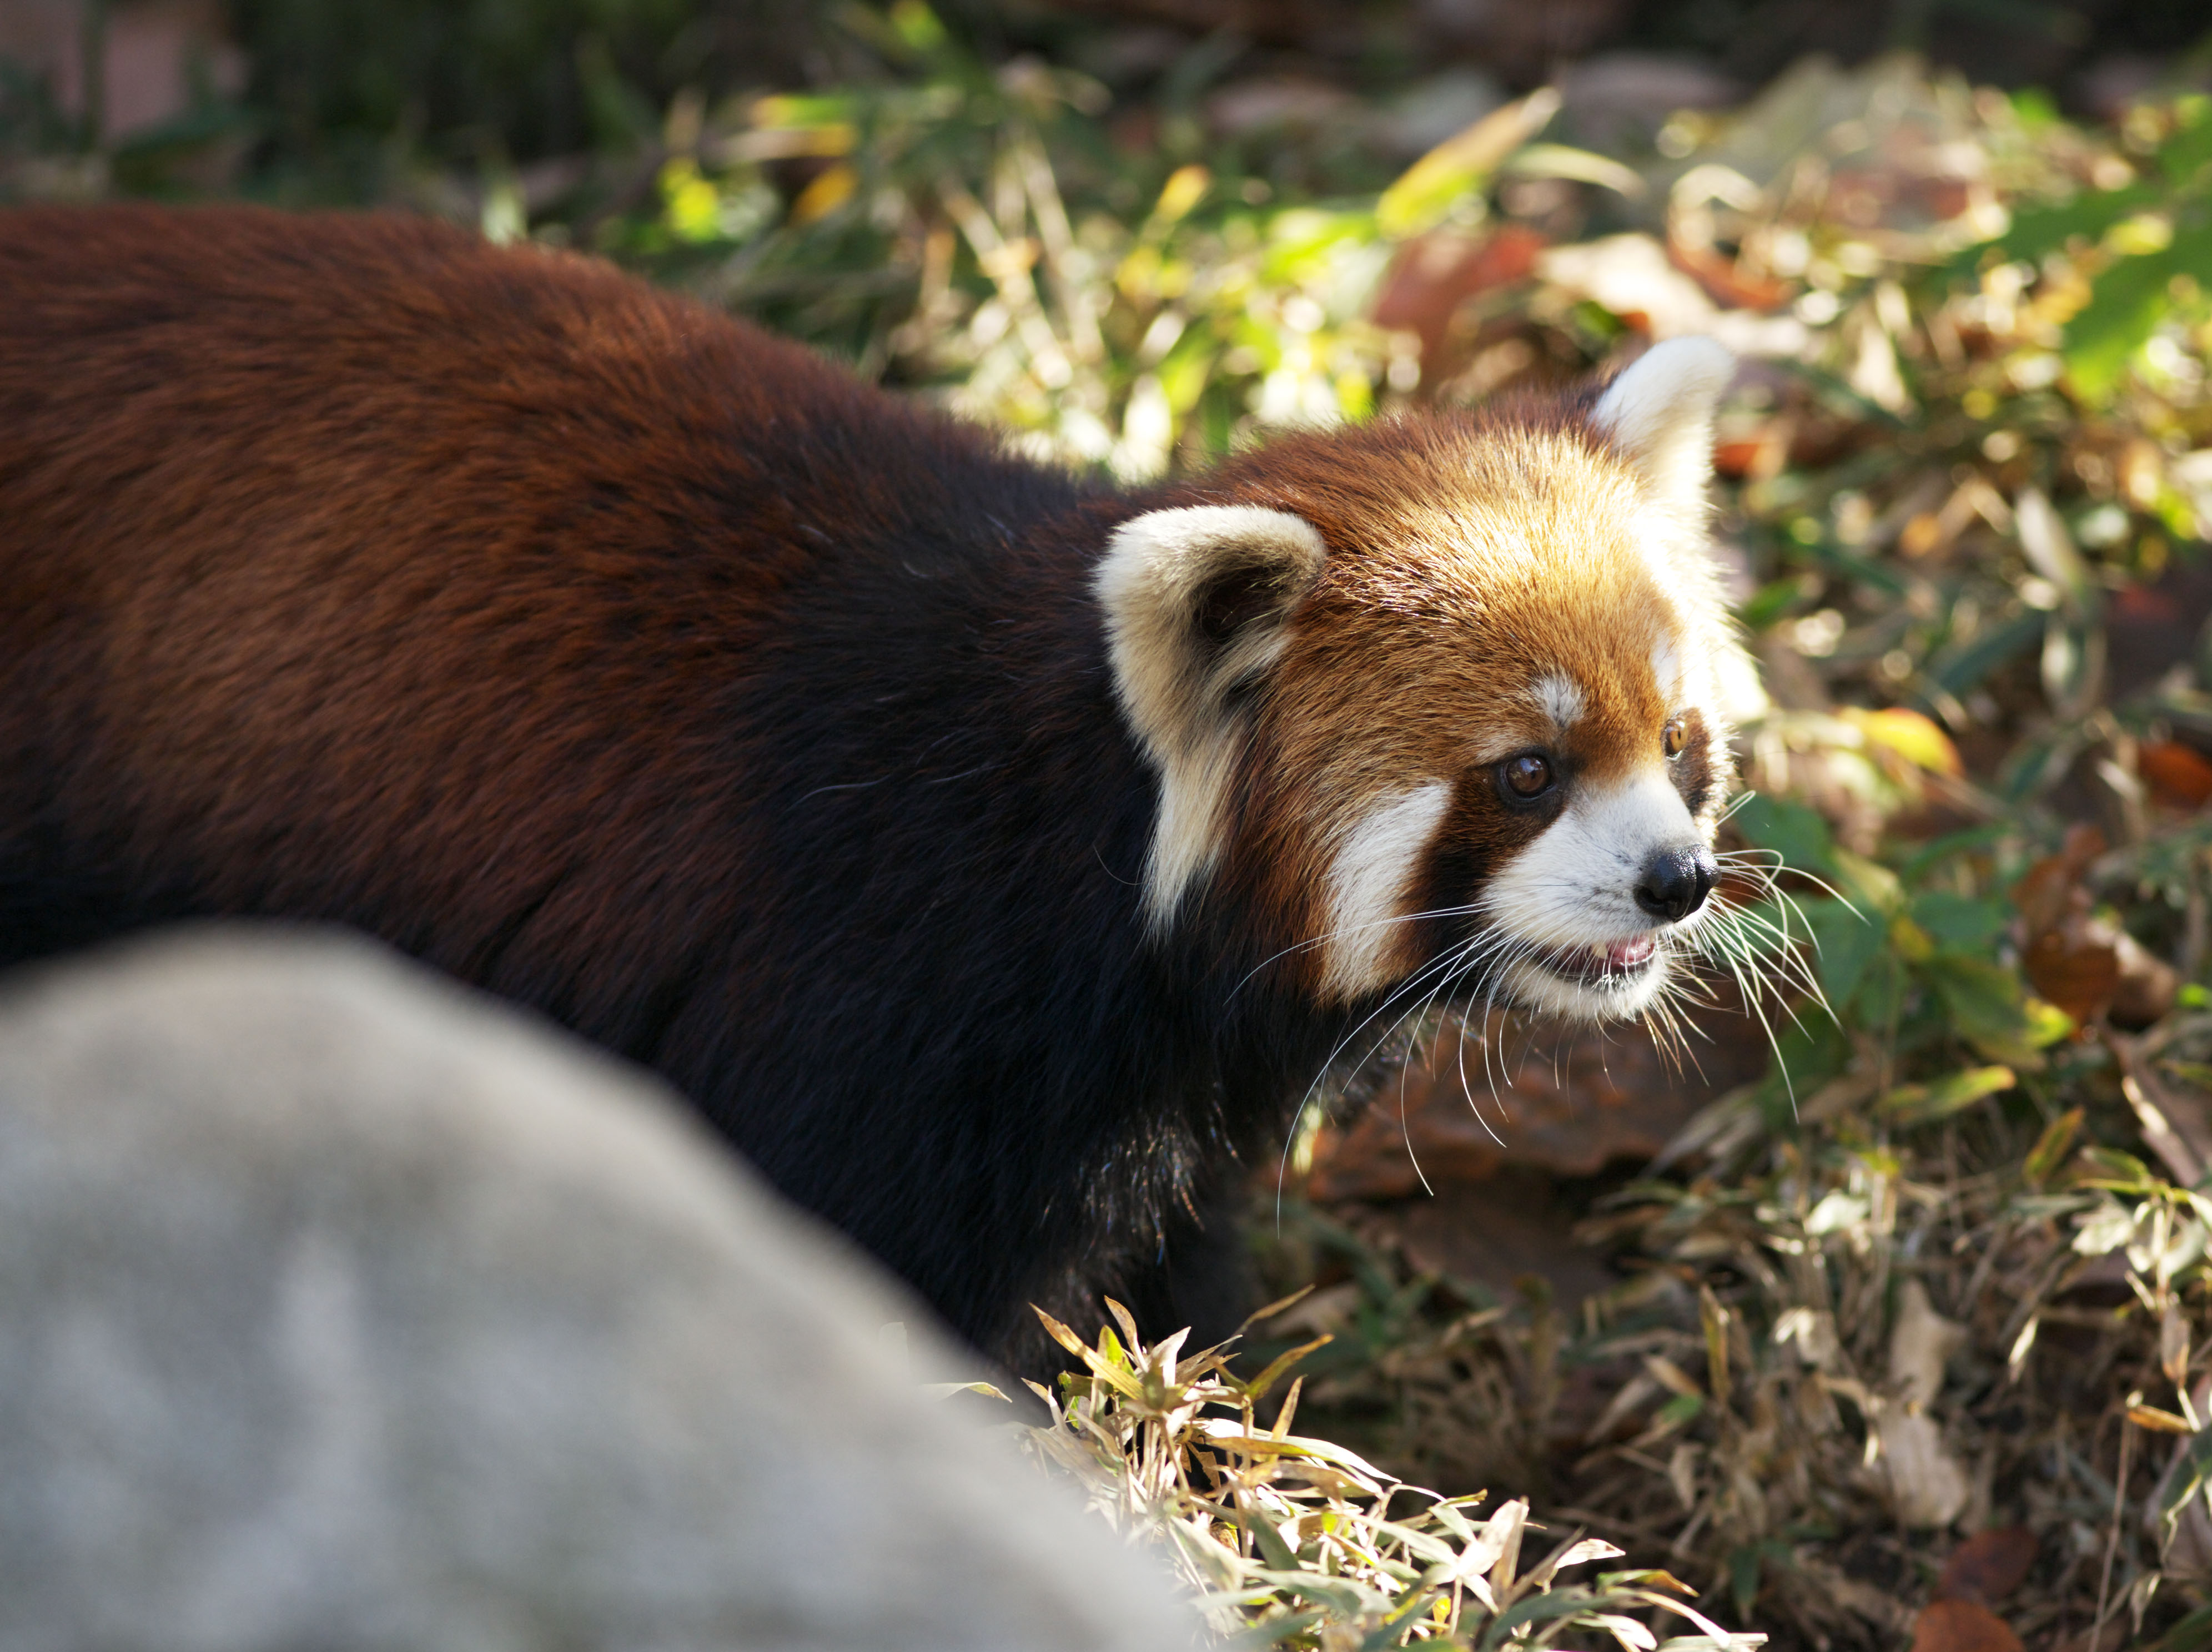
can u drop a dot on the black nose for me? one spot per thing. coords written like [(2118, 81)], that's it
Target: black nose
[(1676, 882)]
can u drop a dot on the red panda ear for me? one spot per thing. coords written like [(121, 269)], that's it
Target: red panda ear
[(1196, 601), (1660, 414)]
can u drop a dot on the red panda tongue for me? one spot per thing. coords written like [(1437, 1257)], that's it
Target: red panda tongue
[(1619, 958)]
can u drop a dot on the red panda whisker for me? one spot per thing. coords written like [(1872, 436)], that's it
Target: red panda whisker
[(1490, 1075), (1770, 948), (1466, 1090), (1311, 942), (1383, 1040), (1665, 1030), (1734, 804), (1327, 1066), (1752, 1001), (1444, 985)]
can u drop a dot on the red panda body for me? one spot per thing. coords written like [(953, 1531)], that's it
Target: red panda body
[(989, 855)]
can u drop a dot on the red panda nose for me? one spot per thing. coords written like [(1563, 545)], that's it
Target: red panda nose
[(1676, 883)]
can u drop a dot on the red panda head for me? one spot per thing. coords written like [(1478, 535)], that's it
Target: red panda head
[(1443, 699)]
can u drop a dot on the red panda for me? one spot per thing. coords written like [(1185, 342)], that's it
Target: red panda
[(990, 854)]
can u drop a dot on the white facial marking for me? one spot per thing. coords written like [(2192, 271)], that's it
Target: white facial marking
[(1367, 884), (1574, 888), (1560, 698)]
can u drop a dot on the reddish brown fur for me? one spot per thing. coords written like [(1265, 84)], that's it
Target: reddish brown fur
[(626, 661), (231, 484)]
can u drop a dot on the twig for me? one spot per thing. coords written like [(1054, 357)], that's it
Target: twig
[(2120, 1507)]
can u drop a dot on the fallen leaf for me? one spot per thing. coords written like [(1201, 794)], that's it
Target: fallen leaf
[(1756, 458), (2076, 970), (1927, 1484), (1727, 280), (2085, 964), (1920, 1344), (1470, 1105), (1962, 1626), (2043, 893), (2179, 775), (1433, 275), (1988, 1566)]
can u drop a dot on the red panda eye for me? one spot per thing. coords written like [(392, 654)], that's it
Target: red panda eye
[(1672, 738), (1526, 776)]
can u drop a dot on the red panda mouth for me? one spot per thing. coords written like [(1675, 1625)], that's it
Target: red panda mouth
[(1617, 965)]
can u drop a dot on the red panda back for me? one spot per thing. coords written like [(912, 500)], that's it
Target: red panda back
[(353, 497)]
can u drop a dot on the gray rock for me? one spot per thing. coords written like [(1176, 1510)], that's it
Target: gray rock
[(339, 1310)]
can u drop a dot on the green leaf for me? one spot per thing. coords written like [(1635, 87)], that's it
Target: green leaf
[(1911, 1104), (1960, 921), (2121, 1172), (1276, 1552), (1987, 1005), (2050, 1147), (1342, 1597), (2130, 299), (1956, 671), (2037, 230), (1845, 941), (1744, 1565), (2033, 107), (1582, 166), (1933, 853), (1881, 997), (1272, 1633), (1258, 1387), (2184, 154), (1461, 165), (1792, 831), (918, 27), (1770, 602)]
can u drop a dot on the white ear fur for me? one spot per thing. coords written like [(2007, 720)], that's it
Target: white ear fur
[(1173, 679), (1661, 413)]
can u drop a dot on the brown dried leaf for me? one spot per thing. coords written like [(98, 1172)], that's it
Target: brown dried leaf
[(1594, 1097), (2042, 893), (2072, 960), (2073, 967), (2177, 775), (1432, 275), (1988, 1566)]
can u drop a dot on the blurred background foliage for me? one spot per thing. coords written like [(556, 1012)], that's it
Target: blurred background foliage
[(1878, 1315)]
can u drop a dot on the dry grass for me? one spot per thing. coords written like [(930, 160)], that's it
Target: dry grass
[(1292, 1541)]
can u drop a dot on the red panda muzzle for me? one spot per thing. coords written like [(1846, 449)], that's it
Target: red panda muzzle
[(987, 854)]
